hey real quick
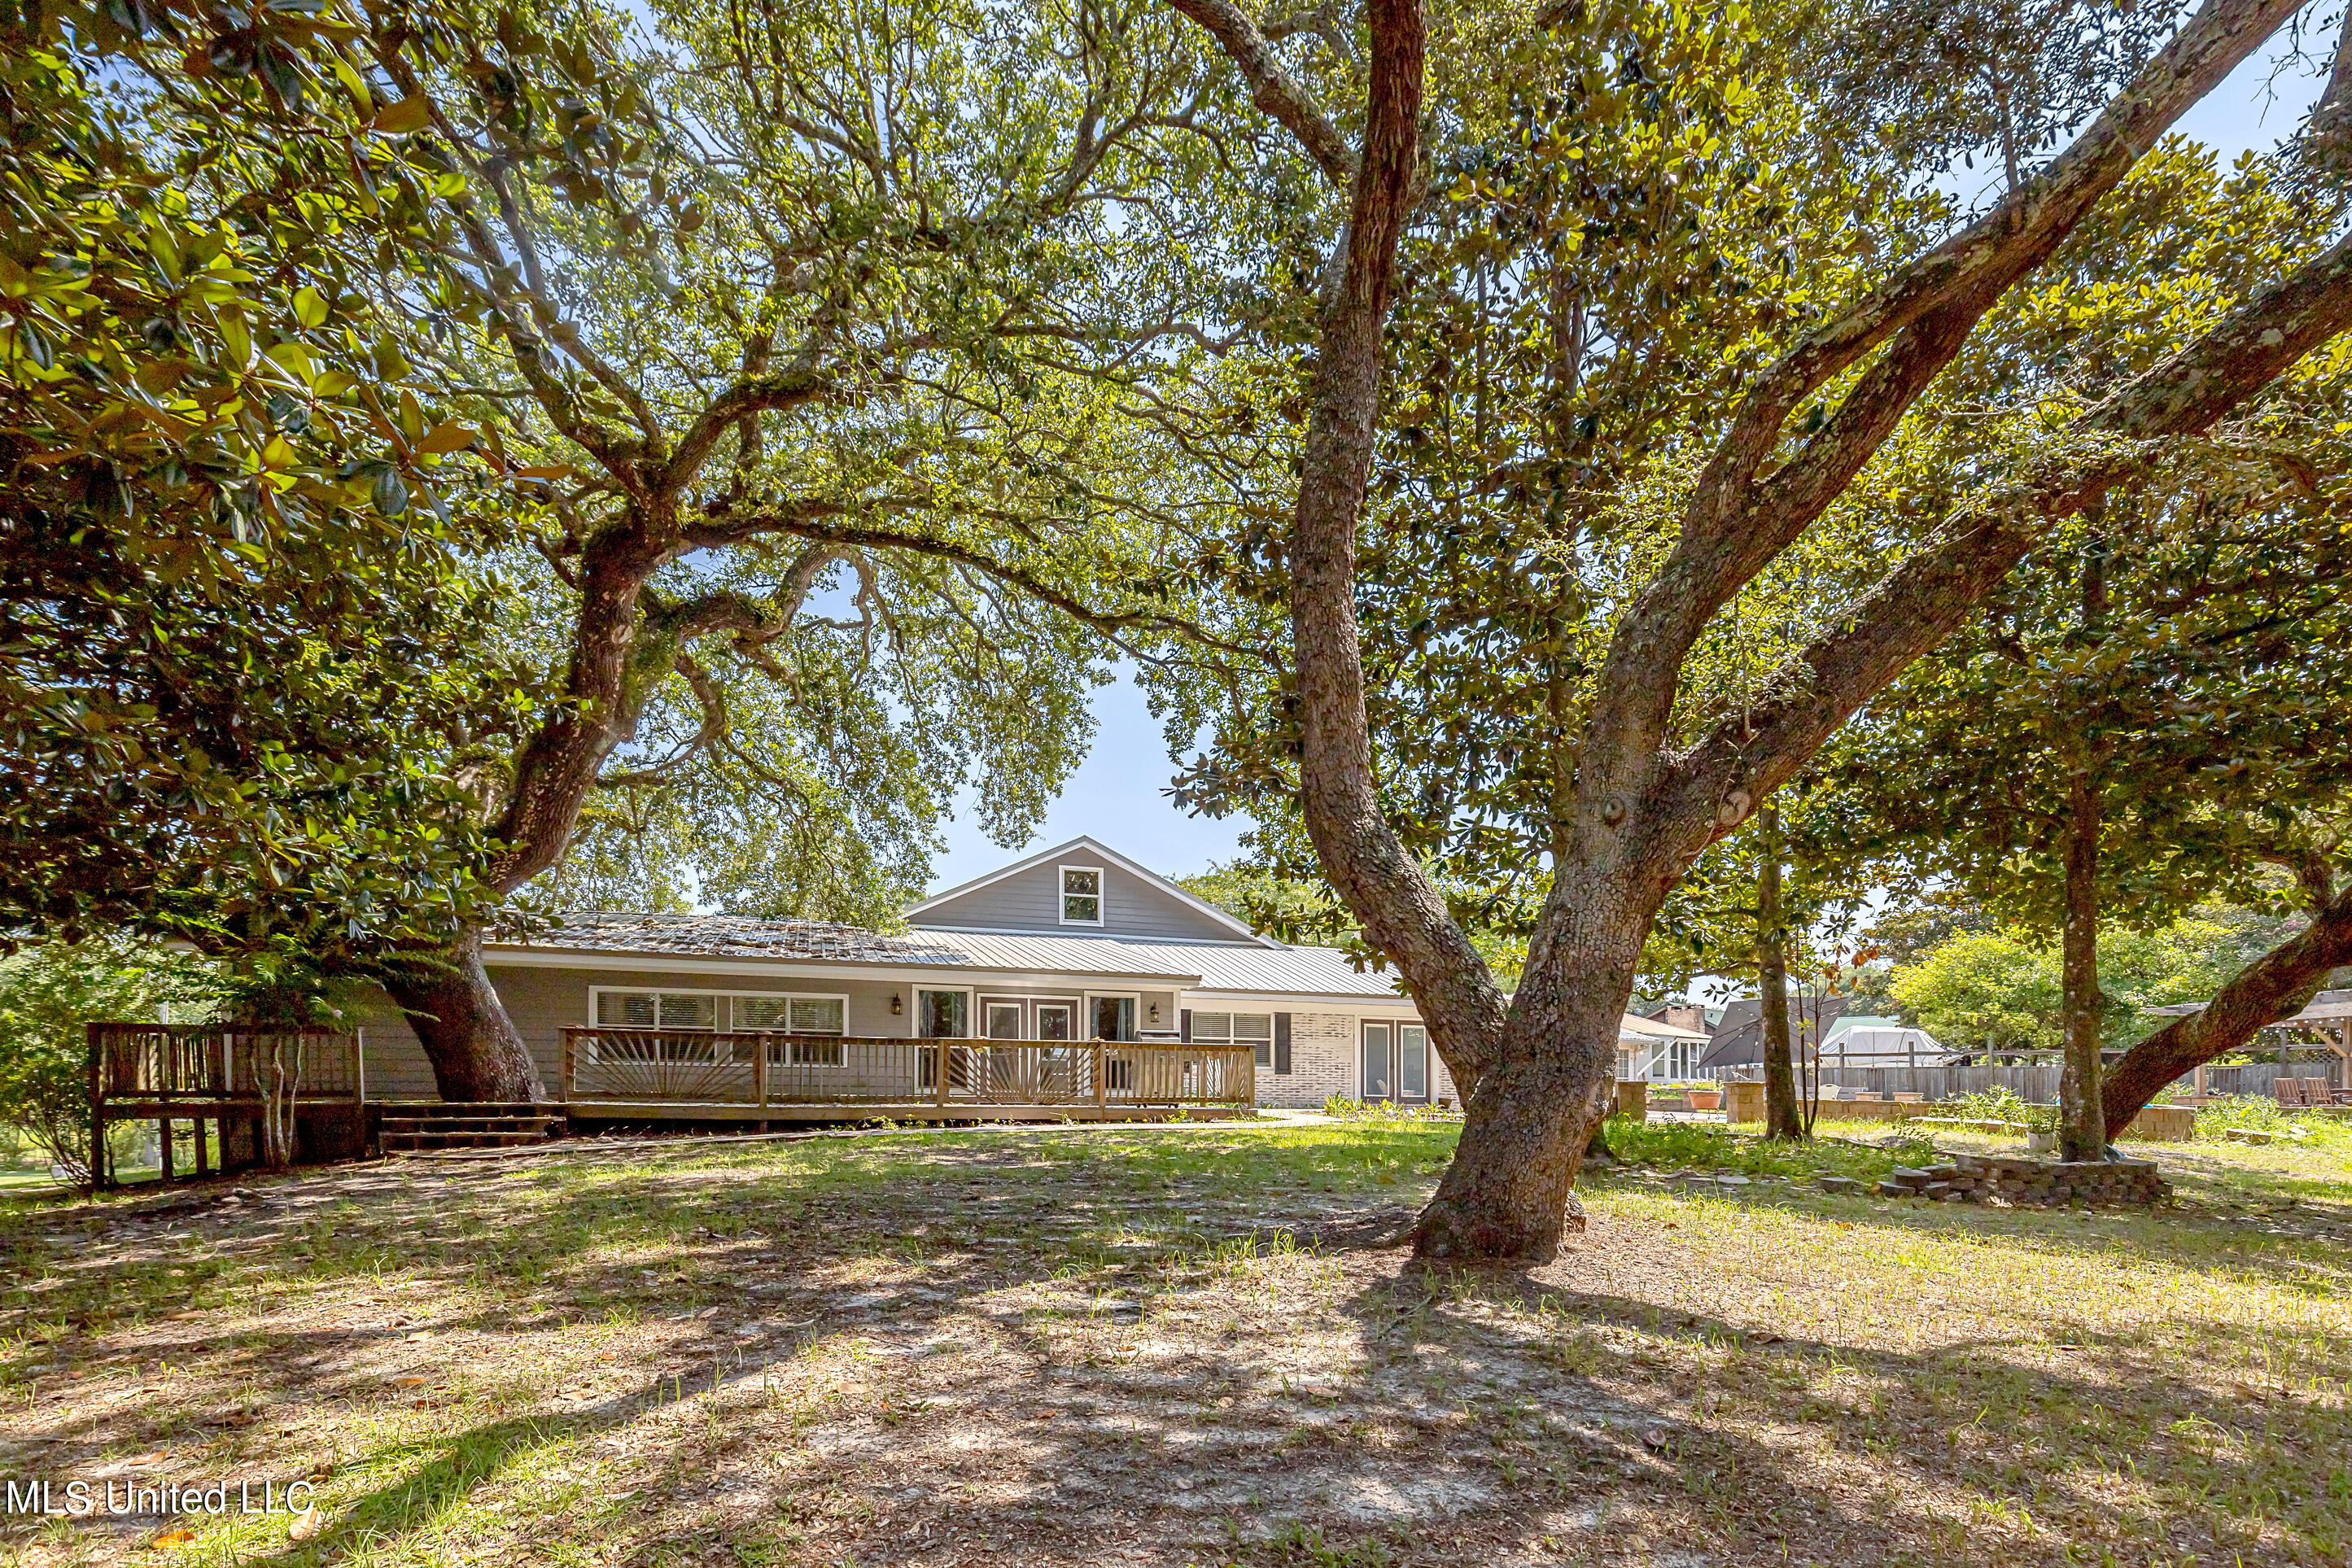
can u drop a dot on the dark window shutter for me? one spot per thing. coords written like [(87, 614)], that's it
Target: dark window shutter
[(1282, 1042), (1184, 1022)]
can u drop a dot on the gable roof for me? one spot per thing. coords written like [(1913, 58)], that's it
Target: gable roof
[(1240, 928)]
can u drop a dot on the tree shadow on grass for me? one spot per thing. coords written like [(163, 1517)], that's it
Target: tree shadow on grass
[(1054, 1447)]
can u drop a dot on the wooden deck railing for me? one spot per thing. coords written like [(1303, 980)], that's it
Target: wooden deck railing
[(226, 1073), (213, 1061), (658, 1066)]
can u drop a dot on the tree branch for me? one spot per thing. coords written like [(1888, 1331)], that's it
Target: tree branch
[(830, 522), (1271, 87), (1735, 523), (1384, 886), (1922, 600), (2278, 985), (714, 725), (747, 399)]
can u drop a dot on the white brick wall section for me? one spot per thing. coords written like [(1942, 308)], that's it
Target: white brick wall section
[(1327, 1059)]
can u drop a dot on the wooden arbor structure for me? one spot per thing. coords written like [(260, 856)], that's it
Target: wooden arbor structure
[(263, 1090), (2327, 1015)]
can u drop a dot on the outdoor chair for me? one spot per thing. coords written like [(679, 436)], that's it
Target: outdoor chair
[(2289, 1092), (2318, 1092)]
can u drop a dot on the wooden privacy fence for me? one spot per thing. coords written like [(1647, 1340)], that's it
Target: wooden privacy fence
[(241, 1076), (763, 1067), (2027, 1081), (2038, 1081)]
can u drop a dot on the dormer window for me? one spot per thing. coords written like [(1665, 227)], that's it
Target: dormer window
[(1081, 895)]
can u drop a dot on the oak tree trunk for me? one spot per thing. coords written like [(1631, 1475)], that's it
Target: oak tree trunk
[(1508, 1193), (475, 1048), (1784, 1116), (2082, 1120)]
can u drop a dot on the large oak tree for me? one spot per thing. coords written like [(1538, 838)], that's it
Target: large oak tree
[(1770, 443), (795, 340)]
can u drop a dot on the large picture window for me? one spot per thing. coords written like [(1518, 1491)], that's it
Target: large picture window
[(800, 1015), (1237, 1029), (741, 1013), (1081, 895)]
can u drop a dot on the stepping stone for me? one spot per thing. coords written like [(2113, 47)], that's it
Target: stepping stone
[(1840, 1184)]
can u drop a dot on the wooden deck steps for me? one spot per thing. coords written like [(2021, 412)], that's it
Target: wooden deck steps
[(403, 1129)]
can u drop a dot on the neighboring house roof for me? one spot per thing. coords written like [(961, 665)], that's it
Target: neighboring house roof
[(1739, 1037), (1239, 927), (1632, 1029), (1863, 1035)]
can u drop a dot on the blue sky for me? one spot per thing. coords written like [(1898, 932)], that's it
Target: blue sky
[(1117, 796)]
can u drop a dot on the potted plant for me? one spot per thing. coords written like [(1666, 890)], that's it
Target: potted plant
[(1709, 1098)]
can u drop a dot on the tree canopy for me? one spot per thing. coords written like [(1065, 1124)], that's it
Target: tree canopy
[(240, 610)]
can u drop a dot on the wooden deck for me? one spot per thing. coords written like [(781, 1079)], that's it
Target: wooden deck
[(274, 1096), (257, 1089), (651, 1075)]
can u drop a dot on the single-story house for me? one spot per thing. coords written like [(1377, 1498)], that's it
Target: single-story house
[(1667, 1045), (1076, 943)]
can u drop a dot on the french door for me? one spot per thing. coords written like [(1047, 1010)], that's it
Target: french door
[(1396, 1063)]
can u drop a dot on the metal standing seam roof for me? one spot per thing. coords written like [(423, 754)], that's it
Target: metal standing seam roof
[(1242, 967), (1239, 968)]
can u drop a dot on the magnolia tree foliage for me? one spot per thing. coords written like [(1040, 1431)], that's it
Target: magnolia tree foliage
[(239, 620)]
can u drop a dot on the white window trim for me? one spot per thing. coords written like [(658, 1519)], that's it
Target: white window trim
[(914, 992), (1229, 1037), (597, 992), (1087, 1011), (1364, 1026), (1063, 894), (1428, 1065), (1028, 1002)]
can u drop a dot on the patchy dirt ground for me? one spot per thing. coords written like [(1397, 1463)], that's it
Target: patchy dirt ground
[(1177, 1346)]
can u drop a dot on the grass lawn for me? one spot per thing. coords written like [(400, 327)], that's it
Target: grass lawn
[(1184, 1345)]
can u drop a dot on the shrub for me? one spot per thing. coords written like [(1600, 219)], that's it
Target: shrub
[(2257, 1111), (2002, 1105), (1689, 1145), (46, 995), (1341, 1108)]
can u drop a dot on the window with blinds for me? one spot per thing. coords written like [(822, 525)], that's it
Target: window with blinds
[(1236, 1029)]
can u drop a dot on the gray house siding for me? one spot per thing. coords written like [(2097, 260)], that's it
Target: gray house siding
[(544, 1001), (1031, 901)]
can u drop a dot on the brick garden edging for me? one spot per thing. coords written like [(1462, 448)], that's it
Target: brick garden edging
[(2023, 1183)]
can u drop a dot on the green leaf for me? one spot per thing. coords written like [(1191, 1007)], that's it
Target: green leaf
[(389, 493), (410, 114)]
